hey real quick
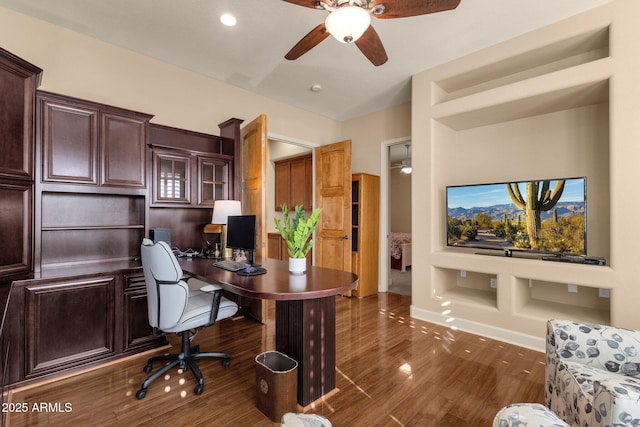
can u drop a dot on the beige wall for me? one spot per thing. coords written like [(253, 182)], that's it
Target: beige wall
[(561, 101), (80, 66), (86, 68), (369, 131), (399, 201)]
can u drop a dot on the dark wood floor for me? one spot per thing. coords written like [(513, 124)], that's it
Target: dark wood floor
[(391, 371)]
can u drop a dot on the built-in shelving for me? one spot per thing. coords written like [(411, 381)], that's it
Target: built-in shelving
[(567, 74), (465, 286), (530, 108), (551, 55), (552, 300), (84, 228)]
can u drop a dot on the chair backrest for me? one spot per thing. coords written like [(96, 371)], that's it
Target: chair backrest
[(167, 294)]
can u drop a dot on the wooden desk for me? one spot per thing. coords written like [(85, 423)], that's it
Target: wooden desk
[(305, 314)]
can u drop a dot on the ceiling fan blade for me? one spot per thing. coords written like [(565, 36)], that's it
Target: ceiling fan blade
[(371, 46), (311, 40), (405, 8), (314, 4)]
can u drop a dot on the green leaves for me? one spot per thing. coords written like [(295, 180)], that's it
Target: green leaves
[(297, 230)]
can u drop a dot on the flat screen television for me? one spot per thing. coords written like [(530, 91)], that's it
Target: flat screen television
[(542, 216)]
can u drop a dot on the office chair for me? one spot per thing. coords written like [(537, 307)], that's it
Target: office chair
[(179, 307)]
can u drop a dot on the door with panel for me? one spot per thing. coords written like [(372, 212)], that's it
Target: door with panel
[(332, 242), (253, 152)]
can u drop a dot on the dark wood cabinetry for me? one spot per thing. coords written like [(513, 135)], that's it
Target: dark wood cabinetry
[(171, 178), (18, 82), (90, 191), (83, 142), (137, 332), (73, 320), (189, 169), (189, 178), (69, 135), (68, 322), (214, 179), (76, 202), (294, 182), (16, 230), (123, 147), (89, 228)]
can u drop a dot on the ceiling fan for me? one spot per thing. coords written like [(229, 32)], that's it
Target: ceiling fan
[(349, 21), (405, 165)]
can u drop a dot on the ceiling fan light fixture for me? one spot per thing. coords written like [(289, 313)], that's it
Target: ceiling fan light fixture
[(406, 170), (228, 20), (348, 23)]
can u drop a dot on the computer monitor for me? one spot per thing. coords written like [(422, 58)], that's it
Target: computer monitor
[(241, 234)]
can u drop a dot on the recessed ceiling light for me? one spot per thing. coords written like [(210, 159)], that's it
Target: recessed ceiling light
[(228, 20), (316, 88)]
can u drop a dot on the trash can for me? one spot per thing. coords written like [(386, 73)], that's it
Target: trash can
[(276, 384)]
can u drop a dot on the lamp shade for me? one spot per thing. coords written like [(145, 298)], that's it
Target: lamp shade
[(348, 23), (222, 209)]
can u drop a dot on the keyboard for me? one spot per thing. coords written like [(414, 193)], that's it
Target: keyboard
[(229, 265)]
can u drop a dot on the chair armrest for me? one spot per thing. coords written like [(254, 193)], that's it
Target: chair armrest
[(198, 285), (615, 400), (600, 346), (210, 287), (202, 286)]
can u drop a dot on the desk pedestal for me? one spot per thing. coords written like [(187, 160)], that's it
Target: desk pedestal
[(306, 331)]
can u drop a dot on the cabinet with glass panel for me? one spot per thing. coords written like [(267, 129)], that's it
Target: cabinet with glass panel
[(189, 178)]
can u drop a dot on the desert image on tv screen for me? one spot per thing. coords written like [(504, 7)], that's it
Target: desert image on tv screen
[(540, 216)]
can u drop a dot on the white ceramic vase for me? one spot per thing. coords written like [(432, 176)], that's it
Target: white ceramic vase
[(297, 265)]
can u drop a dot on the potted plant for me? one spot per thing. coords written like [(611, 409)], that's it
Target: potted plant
[(296, 230)]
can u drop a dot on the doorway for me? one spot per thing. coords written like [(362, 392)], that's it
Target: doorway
[(395, 224), (280, 148)]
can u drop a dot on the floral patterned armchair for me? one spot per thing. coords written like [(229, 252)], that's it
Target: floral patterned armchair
[(527, 414), (593, 374)]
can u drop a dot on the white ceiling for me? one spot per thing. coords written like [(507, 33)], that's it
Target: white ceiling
[(251, 55)]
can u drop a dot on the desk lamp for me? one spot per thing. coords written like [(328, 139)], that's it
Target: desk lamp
[(222, 210)]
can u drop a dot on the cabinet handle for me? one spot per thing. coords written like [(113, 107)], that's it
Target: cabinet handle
[(346, 237)]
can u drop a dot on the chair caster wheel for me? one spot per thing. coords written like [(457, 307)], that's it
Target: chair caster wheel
[(226, 363), (141, 394), (147, 368), (199, 388)]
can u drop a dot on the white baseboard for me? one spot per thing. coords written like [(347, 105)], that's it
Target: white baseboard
[(493, 332)]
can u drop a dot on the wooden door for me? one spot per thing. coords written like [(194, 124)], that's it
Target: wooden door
[(253, 152), (253, 138), (332, 242)]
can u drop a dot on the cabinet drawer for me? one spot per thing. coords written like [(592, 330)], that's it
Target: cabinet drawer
[(134, 282)]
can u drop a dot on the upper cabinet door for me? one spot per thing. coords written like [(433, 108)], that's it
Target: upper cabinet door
[(18, 82), (183, 177), (214, 180), (69, 142), (171, 178), (123, 141), (83, 142)]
